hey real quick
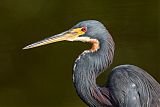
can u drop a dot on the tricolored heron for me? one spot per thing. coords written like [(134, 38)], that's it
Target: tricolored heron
[(127, 85)]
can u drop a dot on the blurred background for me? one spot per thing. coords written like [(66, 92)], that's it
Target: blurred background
[(42, 77)]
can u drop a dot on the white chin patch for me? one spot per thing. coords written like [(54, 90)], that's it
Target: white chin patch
[(95, 43), (82, 39)]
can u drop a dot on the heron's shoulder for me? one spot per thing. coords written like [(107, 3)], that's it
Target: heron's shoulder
[(126, 71), (127, 67)]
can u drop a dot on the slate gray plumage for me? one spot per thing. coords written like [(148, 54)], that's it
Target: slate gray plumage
[(127, 85)]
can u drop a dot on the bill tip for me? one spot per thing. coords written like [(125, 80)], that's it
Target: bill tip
[(27, 47)]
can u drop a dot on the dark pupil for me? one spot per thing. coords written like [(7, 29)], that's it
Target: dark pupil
[(83, 29)]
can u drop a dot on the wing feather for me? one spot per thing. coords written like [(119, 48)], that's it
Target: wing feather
[(131, 86)]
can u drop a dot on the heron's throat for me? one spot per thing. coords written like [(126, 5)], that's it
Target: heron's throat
[(95, 45), (88, 66)]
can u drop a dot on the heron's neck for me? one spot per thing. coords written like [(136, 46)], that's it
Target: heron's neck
[(86, 69)]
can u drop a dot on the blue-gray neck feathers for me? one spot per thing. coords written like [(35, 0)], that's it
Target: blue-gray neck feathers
[(88, 66)]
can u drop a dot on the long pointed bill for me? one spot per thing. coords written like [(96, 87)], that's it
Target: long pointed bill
[(69, 35)]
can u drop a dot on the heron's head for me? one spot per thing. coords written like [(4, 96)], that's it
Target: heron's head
[(86, 31)]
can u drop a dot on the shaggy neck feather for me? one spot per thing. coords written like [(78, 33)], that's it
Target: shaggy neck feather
[(86, 69)]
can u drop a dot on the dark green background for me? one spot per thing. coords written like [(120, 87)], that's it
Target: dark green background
[(42, 77)]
